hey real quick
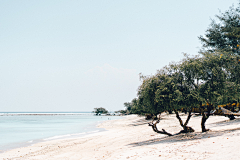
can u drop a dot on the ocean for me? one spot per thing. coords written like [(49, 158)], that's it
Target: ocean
[(23, 129)]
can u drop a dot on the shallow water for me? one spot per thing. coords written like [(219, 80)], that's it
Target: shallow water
[(22, 129)]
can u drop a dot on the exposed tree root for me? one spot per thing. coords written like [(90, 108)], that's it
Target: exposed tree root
[(231, 117), (186, 129), (155, 129)]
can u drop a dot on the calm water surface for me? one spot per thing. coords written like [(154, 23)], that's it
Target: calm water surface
[(22, 129)]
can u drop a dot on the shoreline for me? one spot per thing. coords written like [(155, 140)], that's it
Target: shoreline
[(132, 138), (28, 143)]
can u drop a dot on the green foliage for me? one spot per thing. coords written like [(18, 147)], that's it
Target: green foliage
[(165, 91), (147, 97), (100, 111), (168, 95), (121, 111), (128, 107), (224, 34), (195, 80), (222, 42), (212, 76), (230, 93)]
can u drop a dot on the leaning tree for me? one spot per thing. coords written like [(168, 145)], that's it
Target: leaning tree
[(165, 91)]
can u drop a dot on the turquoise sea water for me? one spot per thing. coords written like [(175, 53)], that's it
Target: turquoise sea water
[(22, 129)]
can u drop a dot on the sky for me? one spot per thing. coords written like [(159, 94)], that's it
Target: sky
[(75, 55)]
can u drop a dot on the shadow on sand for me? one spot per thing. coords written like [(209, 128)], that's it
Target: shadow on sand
[(140, 122), (226, 122), (192, 136)]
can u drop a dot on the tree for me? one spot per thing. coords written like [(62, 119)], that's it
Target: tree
[(213, 79), (207, 78), (161, 92), (222, 39), (146, 95), (202, 81), (100, 111), (224, 34), (194, 81), (138, 107), (128, 106), (121, 111)]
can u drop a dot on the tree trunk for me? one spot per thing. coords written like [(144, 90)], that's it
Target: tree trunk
[(231, 117), (205, 117), (155, 129), (170, 111), (189, 116), (186, 129), (178, 117)]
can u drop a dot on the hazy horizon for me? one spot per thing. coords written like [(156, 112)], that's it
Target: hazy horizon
[(78, 55)]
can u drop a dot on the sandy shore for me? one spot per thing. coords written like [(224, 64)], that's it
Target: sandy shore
[(131, 138)]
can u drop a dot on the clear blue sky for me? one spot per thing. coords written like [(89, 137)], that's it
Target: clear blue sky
[(75, 55)]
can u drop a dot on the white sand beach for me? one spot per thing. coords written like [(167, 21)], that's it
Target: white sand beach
[(131, 138)]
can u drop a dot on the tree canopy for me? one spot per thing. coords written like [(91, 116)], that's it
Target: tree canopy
[(212, 77), (100, 111), (223, 33)]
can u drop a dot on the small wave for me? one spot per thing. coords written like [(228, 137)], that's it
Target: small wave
[(76, 134), (57, 137), (64, 136), (94, 131), (69, 135)]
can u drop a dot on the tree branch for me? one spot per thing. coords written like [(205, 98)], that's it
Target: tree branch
[(186, 129), (189, 116), (196, 86), (179, 118), (155, 129), (205, 117)]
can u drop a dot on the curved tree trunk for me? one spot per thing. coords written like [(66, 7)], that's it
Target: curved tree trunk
[(155, 129), (186, 129)]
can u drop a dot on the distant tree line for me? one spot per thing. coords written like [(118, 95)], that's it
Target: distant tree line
[(100, 110), (212, 77)]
